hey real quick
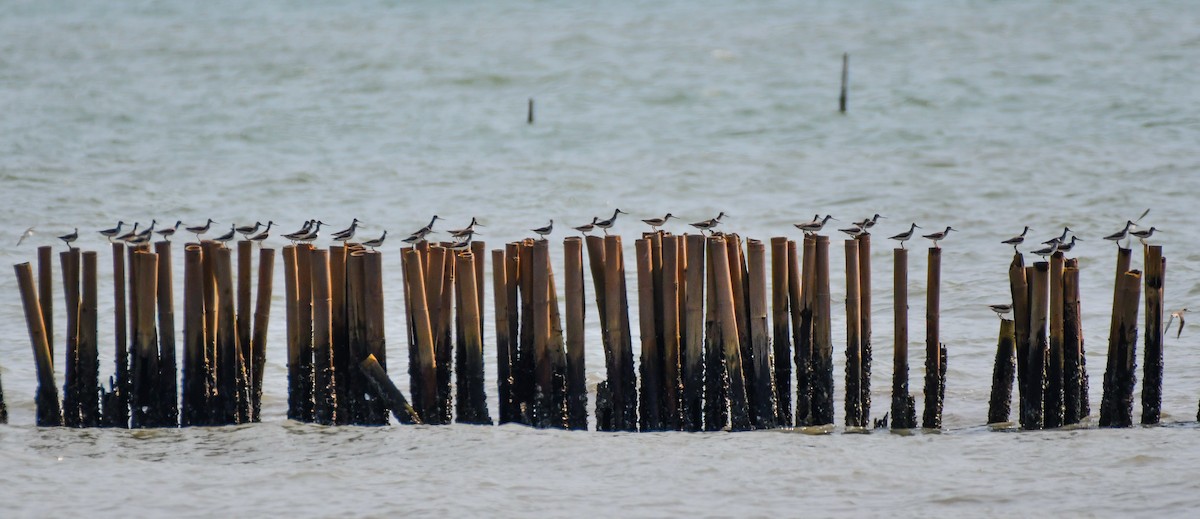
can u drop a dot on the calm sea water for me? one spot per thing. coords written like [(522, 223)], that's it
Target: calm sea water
[(982, 115)]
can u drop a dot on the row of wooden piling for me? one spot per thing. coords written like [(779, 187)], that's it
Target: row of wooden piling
[(710, 360)]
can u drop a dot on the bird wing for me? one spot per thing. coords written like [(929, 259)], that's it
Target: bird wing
[(1144, 213), (1180, 332), (28, 232)]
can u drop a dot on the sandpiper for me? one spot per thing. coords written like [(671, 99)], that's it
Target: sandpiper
[(587, 227), (376, 242), (855, 230), (224, 238), (140, 239), (201, 229), (708, 225), (247, 230), (129, 235), (1143, 235), (1018, 239), (311, 235), (68, 238), (815, 225), (169, 231), (868, 223), (1058, 239), (110, 233), (1122, 234), (606, 224), (414, 238), (1047, 251), (1001, 310), (1177, 314), (545, 231), (655, 223), (303, 229), (1066, 247), (461, 245), (262, 236), (939, 236), (347, 232), (429, 228), (149, 230), (466, 231), (905, 236)]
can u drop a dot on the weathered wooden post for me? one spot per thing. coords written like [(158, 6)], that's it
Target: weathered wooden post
[(853, 401), (1155, 272), (48, 411), (576, 311), (781, 331), (935, 371), (904, 413)]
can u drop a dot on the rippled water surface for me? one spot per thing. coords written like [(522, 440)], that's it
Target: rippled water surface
[(982, 115)]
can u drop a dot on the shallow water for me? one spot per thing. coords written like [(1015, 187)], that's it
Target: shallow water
[(986, 116)]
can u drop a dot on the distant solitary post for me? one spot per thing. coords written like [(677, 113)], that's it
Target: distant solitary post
[(841, 98), (529, 118)]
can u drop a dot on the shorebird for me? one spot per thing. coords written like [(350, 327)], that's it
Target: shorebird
[(344, 235), (655, 223), (262, 236), (147, 231), (140, 239), (29, 232), (1177, 314), (939, 236), (414, 238), (905, 236), (1122, 234), (129, 235), (815, 225), (1066, 247), (1142, 236), (1047, 251), (855, 230), (200, 229), (169, 231), (1018, 239), (606, 224), (68, 238), (429, 228), (311, 235), (376, 242), (587, 227), (708, 225), (545, 231), (461, 245), (247, 230), (1001, 310), (224, 238), (303, 229), (1058, 239), (110, 233), (868, 223), (466, 231)]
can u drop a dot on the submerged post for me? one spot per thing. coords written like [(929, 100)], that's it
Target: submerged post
[(904, 414), (1153, 366), (781, 331), (935, 372), (853, 401), (1000, 402), (822, 350), (1054, 369), (739, 412), (48, 411), (692, 351), (576, 312)]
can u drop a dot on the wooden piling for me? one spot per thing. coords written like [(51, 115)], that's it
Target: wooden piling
[(781, 331), (650, 354), (343, 365), (1039, 282), (520, 306), (1000, 401), (359, 410), (304, 329), (739, 411), (801, 290), (932, 416), (440, 319), (262, 317), (1018, 284), (230, 408), (543, 369), (764, 375), (692, 354), (504, 341), (291, 304), (87, 351), (472, 397), (556, 347), (46, 293), (69, 261), (373, 321), (904, 414), (716, 379), (617, 299), (864, 327), (427, 406), (604, 405), (845, 81), (324, 389), (168, 385), (670, 300), (822, 350), (386, 390), (853, 400), (737, 277), (146, 410), (195, 380), (1116, 408), (479, 252), (1152, 368), (1053, 398), (1073, 367), (48, 411), (576, 311), (244, 284), (116, 405)]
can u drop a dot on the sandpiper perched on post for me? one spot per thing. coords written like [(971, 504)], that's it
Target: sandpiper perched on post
[(1143, 235), (169, 231), (311, 235), (1047, 251), (1001, 310), (201, 229), (655, 223), (140, 239), (1058, 239), (1018, 239), (376, 242), (303, 229), (414, 238), (110, 233), (587, 227), (905, 236), (710, 224), (607, 224), (466, 231), (247, 230), (147, 231), (939, 236), (1122, 234), (224, 238), (130, 234), (545, 231), (68, 238), (868, 223), (347, 233), (815, 225), (1066, 247), (855, 230), (462, 245), (262, 236)]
